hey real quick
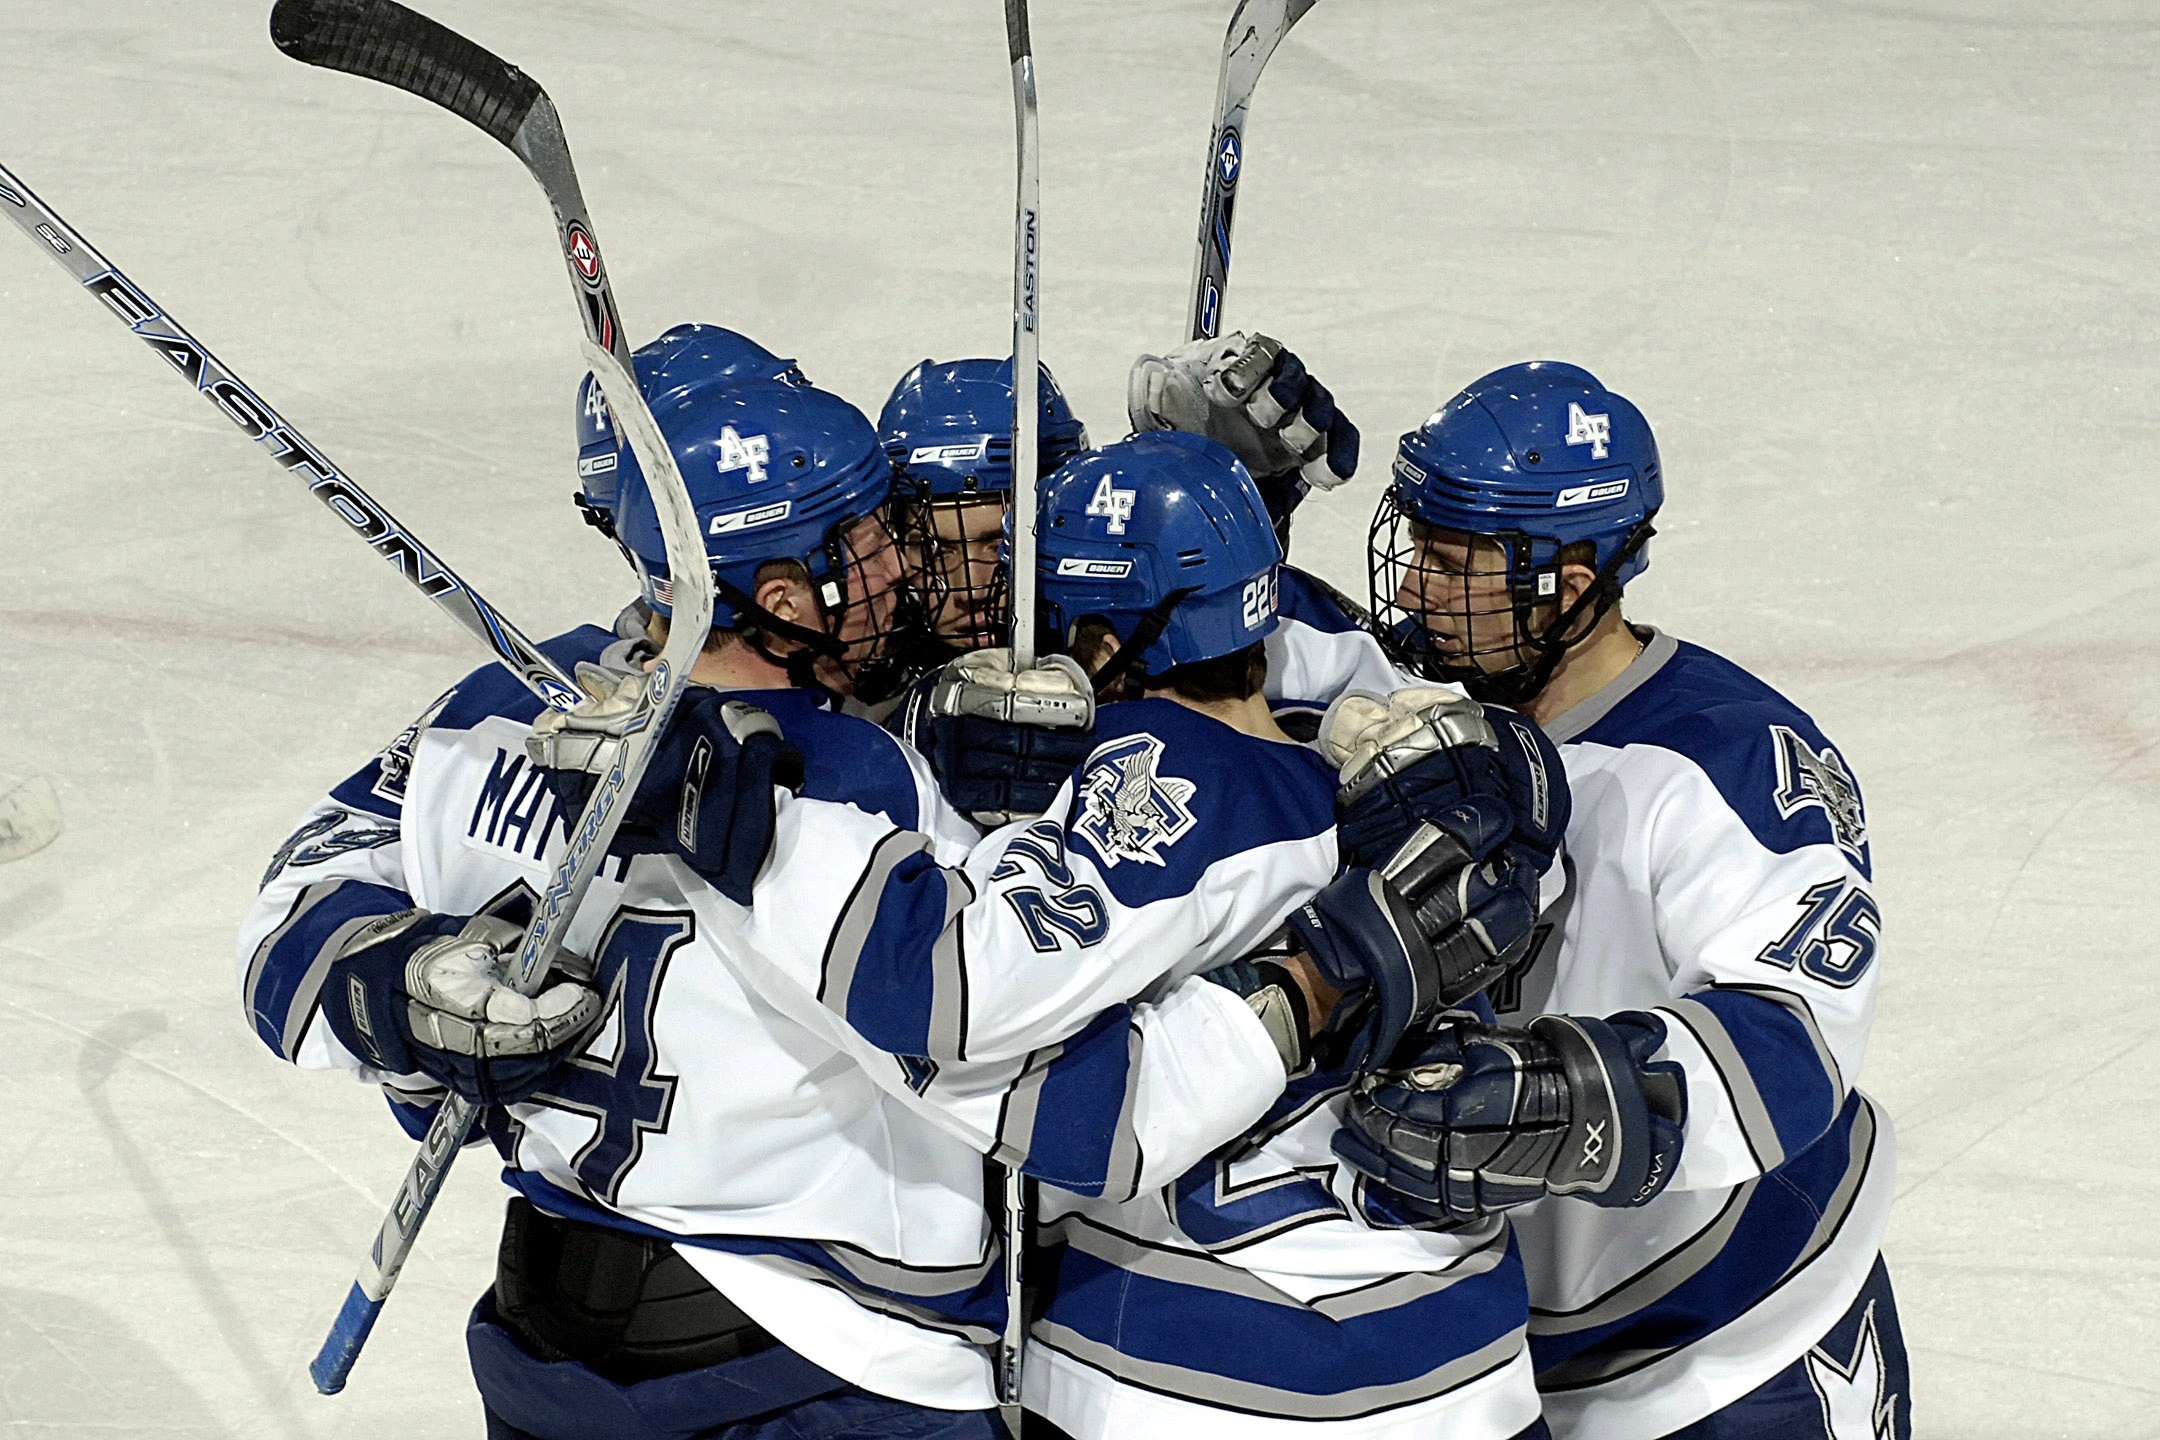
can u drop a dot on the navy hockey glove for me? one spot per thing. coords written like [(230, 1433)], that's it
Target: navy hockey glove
[(1476, 1119), (419, 993), (1446, 917), (1252, 396), (707, 792), (1423, 753), (1000, 744)]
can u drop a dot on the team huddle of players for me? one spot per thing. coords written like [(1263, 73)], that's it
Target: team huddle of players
[(1433, 1019)]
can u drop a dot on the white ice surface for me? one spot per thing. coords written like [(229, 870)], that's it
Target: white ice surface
[(1880, 274)]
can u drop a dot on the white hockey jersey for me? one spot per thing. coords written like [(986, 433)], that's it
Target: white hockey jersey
[(1719, 876), (1321, 649), (833, 1206), (1255, 1288)]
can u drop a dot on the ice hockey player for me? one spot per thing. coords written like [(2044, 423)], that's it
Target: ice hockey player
[(1720, 899), (1260, 1288)]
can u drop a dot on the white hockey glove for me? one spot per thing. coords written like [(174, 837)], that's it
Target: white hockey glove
[(1254, 397), (1001, 743), (419, 993)]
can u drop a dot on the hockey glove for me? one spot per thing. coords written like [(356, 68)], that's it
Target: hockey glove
[(1423, 753), (1477, 1119), (419, 993), (707, 792), (1446, 917), (1000, 743), (1249, 394)]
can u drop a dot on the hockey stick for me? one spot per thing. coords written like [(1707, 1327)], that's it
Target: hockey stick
[(1256, 28), (1027, 339), (381, 40), (1027, 410), (292, 451)]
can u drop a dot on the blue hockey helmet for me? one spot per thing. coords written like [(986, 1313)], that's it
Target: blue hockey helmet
[(948, 428), (1533, 467), (688, 357), (1164, 536), (777, 472)]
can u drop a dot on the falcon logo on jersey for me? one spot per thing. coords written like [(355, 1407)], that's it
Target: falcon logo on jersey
[(394, 766), (1112, 503), (1810, 777), (741, 452), (1127, 810), (1594, 431)]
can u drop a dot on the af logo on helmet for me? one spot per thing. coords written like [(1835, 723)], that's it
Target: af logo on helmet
[(1592, 430), (1116, 504), (739, 452)]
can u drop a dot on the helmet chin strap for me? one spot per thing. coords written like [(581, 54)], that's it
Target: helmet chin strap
[(1146, 633), (800, 666), (1518, 683)]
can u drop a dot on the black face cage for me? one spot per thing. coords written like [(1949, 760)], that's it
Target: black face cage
[(960, 585), (871, 659), (1418, 606)]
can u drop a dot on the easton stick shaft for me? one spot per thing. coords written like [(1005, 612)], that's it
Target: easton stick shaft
[(1027, 334), (1026, 455), (383, 41), (293, 452), (1256, 28)]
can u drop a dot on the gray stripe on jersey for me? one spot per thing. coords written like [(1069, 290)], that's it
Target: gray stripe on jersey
[(1210, 1389), (1858, 1161), (1664, 1275), (877, 1301), (1573, 721), (852, 930), (920, 1281), (293, 1026), (948, 975), (1198, 1271), (1798, 1005), (1016, 1117), (1121, 1173), (1589, 1370), (1754, 1116)]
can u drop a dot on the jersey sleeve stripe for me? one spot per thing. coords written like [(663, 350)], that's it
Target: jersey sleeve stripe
[(948, 971), (858, 920), (1071, 1115), (1781, 1055), (1756, 1126), (1646, 1287), (285, 977), (1805, 1014)]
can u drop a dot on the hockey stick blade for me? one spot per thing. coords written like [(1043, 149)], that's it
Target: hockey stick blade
[(29, 818), (379, 40), (1256, 28), (294, 453)]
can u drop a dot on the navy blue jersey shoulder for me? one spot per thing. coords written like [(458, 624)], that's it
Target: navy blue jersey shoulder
[(846, 759), (1309, 600), (1175, 791), (492, 690), (1768, 759)]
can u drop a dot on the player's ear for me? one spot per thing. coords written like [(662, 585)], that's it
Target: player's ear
[(788, 598), (1575, 582)]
